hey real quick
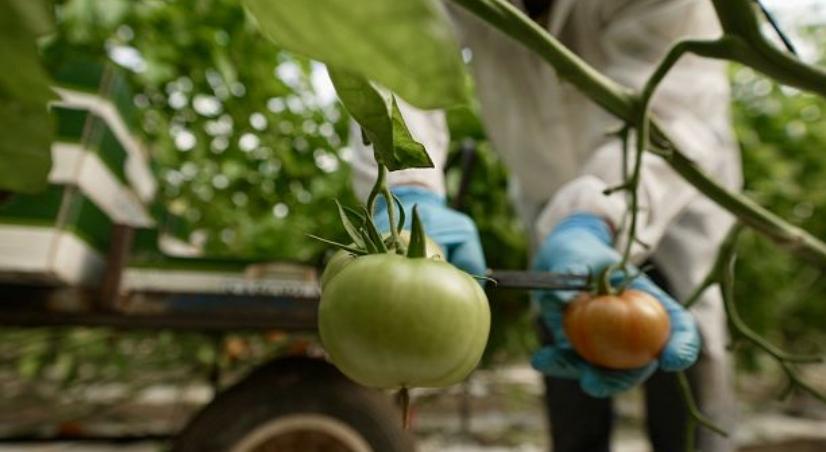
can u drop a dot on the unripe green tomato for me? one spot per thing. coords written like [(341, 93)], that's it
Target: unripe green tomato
[(337, 262), (341, 257), (388, 321)]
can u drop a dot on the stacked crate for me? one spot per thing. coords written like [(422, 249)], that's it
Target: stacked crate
[(100, 176)]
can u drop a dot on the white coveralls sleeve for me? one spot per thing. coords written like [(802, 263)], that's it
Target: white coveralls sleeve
[(687, 104), (428, 127)]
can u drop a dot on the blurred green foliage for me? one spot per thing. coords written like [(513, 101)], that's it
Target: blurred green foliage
[(79, 373), (782, 134), (245, 147), (24, 93)]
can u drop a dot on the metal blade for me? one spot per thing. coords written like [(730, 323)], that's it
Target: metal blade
[(510, 279)]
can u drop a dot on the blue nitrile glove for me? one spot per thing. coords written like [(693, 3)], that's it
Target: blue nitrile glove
[(581, 244), (454, 231)]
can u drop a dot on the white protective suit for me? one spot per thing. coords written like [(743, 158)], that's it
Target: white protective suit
[(559, 149)]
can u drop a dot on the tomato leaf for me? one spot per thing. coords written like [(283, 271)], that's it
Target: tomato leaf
[(368, 242), (369, 109), (36, 15), (407, 46), (381, 122), (354, 214), (25, 150), (342, 246), (373, 233), (407, 151), (417, 246), (351, 229)]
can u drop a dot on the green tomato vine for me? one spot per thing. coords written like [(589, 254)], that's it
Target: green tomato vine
[(366, 237)]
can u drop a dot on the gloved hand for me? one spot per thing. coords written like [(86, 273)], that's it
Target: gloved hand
[(454, 231), (581, 244)]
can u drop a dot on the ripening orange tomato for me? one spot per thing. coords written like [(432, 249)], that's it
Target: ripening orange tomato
[(622, 331)]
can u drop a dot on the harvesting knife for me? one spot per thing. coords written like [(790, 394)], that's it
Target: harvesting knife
[(513, 279)]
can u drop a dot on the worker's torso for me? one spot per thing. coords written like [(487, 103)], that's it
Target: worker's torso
[(545, 129)]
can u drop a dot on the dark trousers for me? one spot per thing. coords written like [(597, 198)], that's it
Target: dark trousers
[(581, 423)]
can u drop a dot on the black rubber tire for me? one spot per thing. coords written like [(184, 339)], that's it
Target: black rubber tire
[(292, 386)]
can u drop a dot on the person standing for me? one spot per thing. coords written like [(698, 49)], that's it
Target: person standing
[(562, 155)]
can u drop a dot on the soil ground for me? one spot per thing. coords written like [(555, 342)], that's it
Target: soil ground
[(498, 410)]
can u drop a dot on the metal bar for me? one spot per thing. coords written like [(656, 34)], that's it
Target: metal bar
[(202, 321), (508, 279), (30, 306), (39, 306)]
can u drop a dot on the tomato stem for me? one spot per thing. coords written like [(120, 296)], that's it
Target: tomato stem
[(381, 188), (398, 245), (604, 286), (634, 181), (696, 416), (629, 278)]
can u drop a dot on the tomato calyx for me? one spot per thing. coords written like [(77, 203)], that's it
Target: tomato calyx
[(417, 247), (603, 280), (604, 286), (367, 239)]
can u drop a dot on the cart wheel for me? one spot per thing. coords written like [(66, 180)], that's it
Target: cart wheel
[(296, 404)]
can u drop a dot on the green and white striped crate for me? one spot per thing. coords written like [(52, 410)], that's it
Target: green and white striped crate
[(100, 177), (57, 236), (163, 261), (102, 91), (86, 153), (219, 276)]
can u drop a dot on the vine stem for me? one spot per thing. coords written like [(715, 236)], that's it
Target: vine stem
[(697, 417), (776, 26), (722, 273), (739, 21), (634, 181), (690, 434), (699, 291), (604, 286), (716, 48), (398, 245), (744, 331), (381, 188)]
